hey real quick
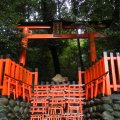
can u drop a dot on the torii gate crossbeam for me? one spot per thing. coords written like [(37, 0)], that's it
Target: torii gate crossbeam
[(56, 35)]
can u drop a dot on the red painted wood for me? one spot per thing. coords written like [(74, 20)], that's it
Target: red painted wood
[(51, 36), (1, 70), (93, 55), (118, 66), (33, 27), (22, 58), (113, 71), (108, 91)]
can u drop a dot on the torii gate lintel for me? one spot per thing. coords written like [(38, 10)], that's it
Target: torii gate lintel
[(56, 35)]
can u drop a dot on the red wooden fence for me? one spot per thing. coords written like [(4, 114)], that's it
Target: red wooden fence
[(15, 79), (50, 102), (103, 77)]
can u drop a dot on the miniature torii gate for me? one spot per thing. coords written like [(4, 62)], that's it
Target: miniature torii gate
[(56, 27)]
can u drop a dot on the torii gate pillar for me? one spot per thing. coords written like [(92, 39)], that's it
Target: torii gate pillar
[(23, 52), (92, 45)]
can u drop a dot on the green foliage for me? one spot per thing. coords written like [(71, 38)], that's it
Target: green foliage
[(96, 9), (12, 11), (48, 9), (41, 58), (69, 60), (9, 43), (110, 44)]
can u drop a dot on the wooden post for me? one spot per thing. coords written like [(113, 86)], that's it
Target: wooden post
[(107, 81), (36, 77), (1, 70), (79, 76), (92, 45), (114, 81), (23, 52), (118, 64), (22, 58), (5, 80)]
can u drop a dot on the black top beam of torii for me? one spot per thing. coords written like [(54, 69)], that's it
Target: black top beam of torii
[(56, 28)]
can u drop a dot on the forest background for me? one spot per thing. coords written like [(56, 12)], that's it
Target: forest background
[(58, 56)]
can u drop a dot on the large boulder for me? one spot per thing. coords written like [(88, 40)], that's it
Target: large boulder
[(59, 78)]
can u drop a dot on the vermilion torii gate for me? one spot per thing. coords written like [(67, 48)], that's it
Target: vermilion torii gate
[(56, 27)]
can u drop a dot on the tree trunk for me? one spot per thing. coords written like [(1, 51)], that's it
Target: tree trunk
[(80, 55), (116, 16), (56, 63)]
